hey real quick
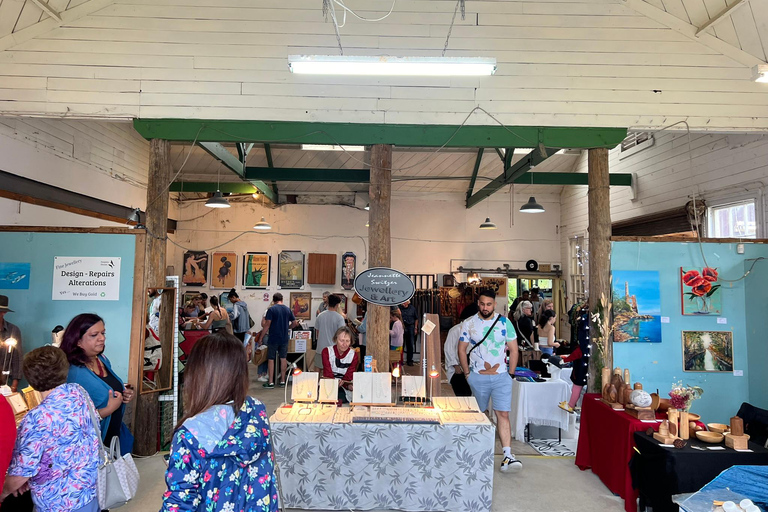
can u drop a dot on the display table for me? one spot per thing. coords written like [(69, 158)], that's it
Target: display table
[(659, 473), (357, 466), (606, 445), (536, 403)]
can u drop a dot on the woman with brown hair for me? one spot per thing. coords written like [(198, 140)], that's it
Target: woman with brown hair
[(221, 454)]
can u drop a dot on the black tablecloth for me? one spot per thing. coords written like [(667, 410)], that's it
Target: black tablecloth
[(658, 472)]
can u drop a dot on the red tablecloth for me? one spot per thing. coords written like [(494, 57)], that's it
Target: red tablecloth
[(606, 445)]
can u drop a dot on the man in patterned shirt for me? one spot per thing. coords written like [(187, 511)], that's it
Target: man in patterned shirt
[(487, 336)]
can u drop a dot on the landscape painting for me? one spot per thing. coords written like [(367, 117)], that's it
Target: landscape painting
[(636, 306), (707, 351)]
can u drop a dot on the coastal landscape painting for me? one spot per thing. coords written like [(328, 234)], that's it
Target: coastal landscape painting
[(707, 351), (636, 306)]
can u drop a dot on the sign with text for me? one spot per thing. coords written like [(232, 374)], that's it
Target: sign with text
[(86, 278), (384, 286)]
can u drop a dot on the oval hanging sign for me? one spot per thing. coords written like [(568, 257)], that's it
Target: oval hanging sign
[(384, 286)]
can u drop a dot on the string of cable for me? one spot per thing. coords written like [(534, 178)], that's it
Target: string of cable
[(165, 189)]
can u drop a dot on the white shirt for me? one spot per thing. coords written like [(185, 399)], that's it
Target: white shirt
[(451, 349)]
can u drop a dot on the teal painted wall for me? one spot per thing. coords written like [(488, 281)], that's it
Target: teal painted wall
[(659, 365), (757, 331), (36, 314)]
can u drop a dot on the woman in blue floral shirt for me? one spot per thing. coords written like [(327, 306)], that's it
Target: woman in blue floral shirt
[(57, 448), (221, 454)]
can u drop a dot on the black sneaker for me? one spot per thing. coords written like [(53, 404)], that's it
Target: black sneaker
[(282, 385), (269, 385), (510, 465)]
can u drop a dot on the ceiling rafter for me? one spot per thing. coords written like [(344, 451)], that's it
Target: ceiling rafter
[(223, 155), (690, 31)]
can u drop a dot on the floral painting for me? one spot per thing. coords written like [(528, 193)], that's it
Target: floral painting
[(707, 351), (700, 291)]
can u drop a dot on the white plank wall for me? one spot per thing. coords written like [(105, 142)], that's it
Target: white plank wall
[(668, 175), (561, 63)]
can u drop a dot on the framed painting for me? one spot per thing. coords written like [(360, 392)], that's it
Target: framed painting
[(223, 270), (301, 305), (256, 270), (195, 269), (290, 268), (700, 291), (348, 270), (14, 276), (343, 303), (707, 351), (186, 297), (636, 306)]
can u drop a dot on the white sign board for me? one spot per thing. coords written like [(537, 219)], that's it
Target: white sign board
[(86, 278)]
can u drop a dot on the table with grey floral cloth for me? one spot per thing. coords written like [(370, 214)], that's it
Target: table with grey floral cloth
[(385, 466)]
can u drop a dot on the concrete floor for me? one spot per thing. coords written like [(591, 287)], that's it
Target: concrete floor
[(549, 484)]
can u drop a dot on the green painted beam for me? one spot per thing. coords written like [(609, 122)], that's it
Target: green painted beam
[(569, 178), (402, 135), (223, 155), (474, 172), (511, 174), (226, 188), (296, 174)]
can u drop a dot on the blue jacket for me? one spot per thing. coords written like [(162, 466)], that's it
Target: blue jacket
[(99, 392), (222, 462), (242, 322)]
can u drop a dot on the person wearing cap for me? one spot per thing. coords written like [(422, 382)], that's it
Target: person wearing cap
[(11, 358)]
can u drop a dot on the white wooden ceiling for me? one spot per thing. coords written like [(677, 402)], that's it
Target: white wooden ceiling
[(445, 171)]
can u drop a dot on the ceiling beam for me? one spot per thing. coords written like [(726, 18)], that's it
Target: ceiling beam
[(511, 174), (475, 171), (690, 31), (363, 134), (569, 178), (47, 9), (224, 156), (312, 174), (721, 16)]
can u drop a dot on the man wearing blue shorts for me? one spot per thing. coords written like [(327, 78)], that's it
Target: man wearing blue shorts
[(278, 320), (487, 336)]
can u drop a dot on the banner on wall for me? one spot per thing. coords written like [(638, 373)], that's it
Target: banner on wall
[(86, 278)]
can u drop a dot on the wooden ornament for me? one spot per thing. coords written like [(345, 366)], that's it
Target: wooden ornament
[(612, 393), (672, 417), (649, 431), (664, 428), (684, 427), (737, 426), (626, 375), (606, 378), (638, 385), (680, 444), (737, 442)]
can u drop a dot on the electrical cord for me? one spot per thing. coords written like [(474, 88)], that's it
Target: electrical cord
[(165, 189), (340, 3)]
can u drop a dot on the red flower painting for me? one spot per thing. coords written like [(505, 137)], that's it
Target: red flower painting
[(699, 292)]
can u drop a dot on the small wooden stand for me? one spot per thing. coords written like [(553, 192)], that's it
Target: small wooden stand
[(737, 442), (663, 436), (641, 413)]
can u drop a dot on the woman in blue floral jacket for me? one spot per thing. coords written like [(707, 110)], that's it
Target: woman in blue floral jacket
[(221, 454)]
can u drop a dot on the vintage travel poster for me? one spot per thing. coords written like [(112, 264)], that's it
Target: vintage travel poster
[(256, 269), (223, 270), (291, 269)]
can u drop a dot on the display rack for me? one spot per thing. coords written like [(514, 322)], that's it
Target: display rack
[(173, 395)]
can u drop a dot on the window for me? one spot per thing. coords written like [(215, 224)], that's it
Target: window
[(733, 220), (578, 268)]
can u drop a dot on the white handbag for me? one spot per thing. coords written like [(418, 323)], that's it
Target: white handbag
[(118, 478)]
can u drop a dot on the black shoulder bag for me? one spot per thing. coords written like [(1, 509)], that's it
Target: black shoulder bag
[(484, 337)]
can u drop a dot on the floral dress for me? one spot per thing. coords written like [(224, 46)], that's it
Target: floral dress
[(222, 462)]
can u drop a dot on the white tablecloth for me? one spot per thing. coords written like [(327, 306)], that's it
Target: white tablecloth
[(536, 403), (385, 466)]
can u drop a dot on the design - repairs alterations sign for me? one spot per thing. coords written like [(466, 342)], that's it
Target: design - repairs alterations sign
[(384, 286), (86, 278)]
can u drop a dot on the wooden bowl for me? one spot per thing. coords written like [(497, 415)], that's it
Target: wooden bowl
[(719, 428), (693, 416), (710, 437)]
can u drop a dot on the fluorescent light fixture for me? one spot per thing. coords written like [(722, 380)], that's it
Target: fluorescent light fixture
[(760, 73), (385, 65), (217, 201), (525, 151), (330, 147)]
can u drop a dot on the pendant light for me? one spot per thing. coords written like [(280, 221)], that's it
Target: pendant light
[(487, 224), (262, 225), (218, 200), (531, 206)]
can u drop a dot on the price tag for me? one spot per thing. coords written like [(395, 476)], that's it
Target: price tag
[(665, 319), (722, 320)]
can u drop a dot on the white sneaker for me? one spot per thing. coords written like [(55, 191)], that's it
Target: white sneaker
[(262, 378), (510, 465)]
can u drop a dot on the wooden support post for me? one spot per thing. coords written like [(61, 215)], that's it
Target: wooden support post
[(599, 210), (379, 249), (147, 409)]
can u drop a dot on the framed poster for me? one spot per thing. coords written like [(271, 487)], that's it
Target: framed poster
[(14, 276), (223, 270), (195, 269), (186, 297), (290, 268), (343, 303), (301, 305), (700, 292), (348, 266), (707, 351), (636, 306), (256, 269)]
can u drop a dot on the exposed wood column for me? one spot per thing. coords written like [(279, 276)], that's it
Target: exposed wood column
[(599, 209), (147, 410), (379, 249)]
